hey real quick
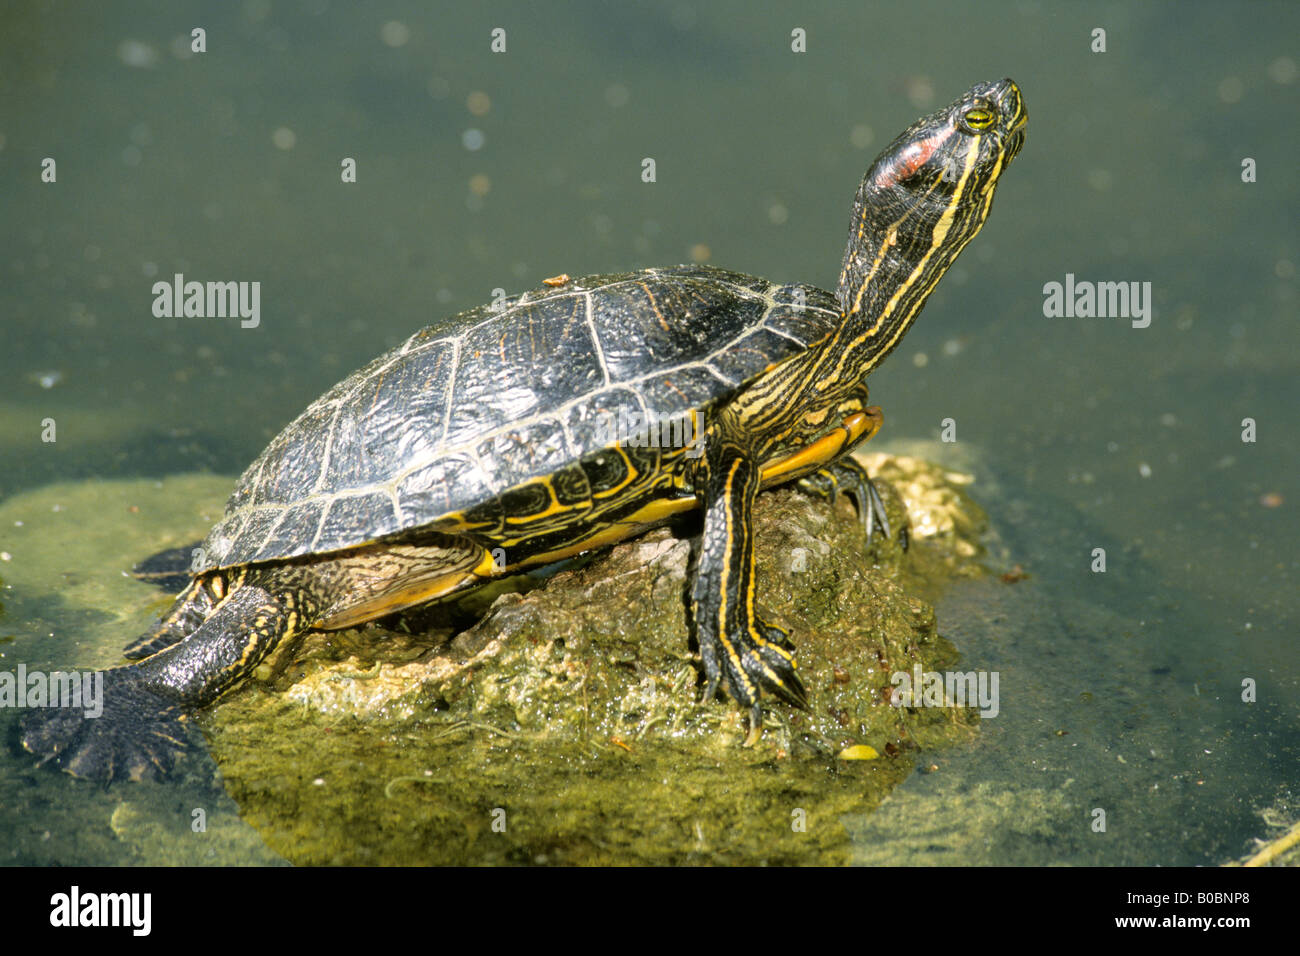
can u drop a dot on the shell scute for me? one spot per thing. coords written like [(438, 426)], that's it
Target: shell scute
[(492, 398)]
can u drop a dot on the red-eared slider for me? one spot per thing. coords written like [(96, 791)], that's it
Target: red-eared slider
[(568, 418)]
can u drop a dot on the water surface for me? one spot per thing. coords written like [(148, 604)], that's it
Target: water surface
[(480, 171)]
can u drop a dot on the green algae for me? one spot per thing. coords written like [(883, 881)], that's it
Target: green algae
[(544, 722), (564, 726)]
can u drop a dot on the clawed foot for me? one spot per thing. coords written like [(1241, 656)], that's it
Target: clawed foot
[(138, 735), (749, 664), (847, 476)]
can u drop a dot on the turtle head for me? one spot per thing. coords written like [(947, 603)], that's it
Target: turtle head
[(954, 155), (926, 196)]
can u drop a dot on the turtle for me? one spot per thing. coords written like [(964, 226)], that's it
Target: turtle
[(562, 420)]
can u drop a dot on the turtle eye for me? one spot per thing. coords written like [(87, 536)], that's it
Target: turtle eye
[(979, 118)]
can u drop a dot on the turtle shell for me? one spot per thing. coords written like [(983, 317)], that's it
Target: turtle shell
[(496, 396)]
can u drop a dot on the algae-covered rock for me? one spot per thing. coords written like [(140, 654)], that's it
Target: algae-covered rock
[(565, 726)]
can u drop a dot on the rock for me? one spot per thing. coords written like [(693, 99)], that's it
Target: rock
[(564, 726)]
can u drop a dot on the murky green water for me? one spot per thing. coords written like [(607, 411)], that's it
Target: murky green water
[(476, 171)]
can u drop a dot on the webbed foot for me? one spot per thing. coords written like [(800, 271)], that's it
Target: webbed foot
[(137, 735)]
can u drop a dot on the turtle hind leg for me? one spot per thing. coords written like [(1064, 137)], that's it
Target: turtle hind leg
[(191, 608), (138, 732)]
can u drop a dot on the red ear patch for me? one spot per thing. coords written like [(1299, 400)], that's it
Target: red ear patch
[(911, 158)]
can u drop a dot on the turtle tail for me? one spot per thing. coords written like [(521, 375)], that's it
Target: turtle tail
[(136, 731)]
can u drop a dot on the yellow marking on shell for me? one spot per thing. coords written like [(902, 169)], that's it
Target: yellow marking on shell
[(680, 394), (652, 514), (554, 508), (655, 305)]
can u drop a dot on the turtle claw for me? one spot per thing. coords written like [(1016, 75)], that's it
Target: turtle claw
[(138, 735), (873, 514), (771, 665), (755, 726), (776, 634), (766, 665), (710, 690)]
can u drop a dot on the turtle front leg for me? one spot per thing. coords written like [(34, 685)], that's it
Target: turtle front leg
[(738, 650), (138, 732), (848, 476)]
